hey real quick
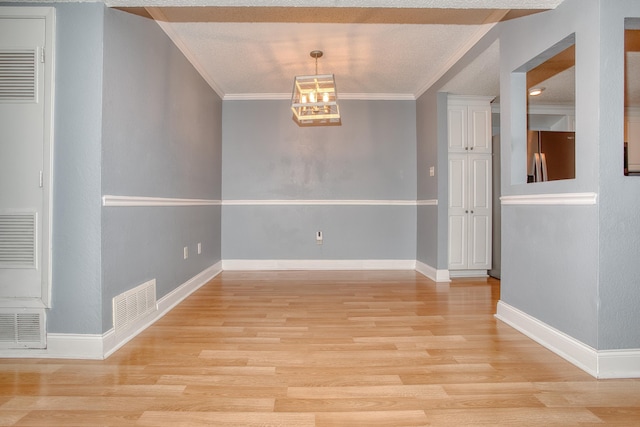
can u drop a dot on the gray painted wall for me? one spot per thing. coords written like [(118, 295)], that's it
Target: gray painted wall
[(496, 226), (550, 253), (266, 156), (349, 232), (549, 266), (428, 134), (162, 137), (125, 126), (161, 121), (442, 102), (575, 267), (76, 284), (619, 199)]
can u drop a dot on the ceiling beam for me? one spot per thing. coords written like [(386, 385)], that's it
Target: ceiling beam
[(395, 4), (552, 66), (336, 15)]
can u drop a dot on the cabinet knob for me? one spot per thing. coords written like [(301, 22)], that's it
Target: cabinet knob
[(466, 148), (471, 211), (466, 211), (471, 148)]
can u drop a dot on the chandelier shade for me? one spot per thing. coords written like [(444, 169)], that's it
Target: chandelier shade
[(314, 101)]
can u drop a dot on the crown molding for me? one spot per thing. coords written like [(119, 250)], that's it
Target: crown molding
[(341, 96)]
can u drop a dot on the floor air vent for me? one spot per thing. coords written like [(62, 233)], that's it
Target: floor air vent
[(133, 305), (22, 328)]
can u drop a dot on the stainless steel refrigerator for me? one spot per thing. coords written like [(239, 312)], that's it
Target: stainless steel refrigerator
[(551, 155)]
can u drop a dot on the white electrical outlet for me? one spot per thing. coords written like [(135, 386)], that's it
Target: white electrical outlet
[(319, 237), (199, 248), (186, 252), (432, 171)]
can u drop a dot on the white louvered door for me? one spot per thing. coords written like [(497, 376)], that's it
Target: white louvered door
[(23, 156)]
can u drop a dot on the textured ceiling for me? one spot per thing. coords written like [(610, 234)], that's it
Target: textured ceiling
[(378, 49)]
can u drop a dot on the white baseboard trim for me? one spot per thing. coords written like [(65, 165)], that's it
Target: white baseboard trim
[(619, 363), (62, 346), (176, 296), (600, 364), (432, 273), (101, 346), (318, 264), (113, 341), (468, 273), (581, 355)]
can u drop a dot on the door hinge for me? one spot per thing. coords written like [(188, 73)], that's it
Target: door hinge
[(42, 55), (41, 179)]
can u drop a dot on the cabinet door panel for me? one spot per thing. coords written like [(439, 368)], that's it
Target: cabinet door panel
[(458, 236), (479, 182), (480, 211), (479, 129), (458, 183), (480, 242), (457, 128)]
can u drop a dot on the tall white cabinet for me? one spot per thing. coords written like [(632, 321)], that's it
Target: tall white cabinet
[(470, 162)]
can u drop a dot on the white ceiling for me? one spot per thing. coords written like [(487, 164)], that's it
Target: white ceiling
[(378, 49)]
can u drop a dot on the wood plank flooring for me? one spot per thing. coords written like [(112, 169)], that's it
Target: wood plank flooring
[(321, 349)]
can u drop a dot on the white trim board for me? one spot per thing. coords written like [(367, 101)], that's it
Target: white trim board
[(551, 199), (600, 364), (428, 202), (313, 264), (63, 346), (100, 346), (432, 273), (130, 201), (319, 202), (468, 273)]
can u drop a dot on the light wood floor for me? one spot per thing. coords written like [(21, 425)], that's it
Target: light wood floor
[(321, 349)]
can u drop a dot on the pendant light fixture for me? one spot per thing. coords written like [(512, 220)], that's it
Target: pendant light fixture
[(314, 101)]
